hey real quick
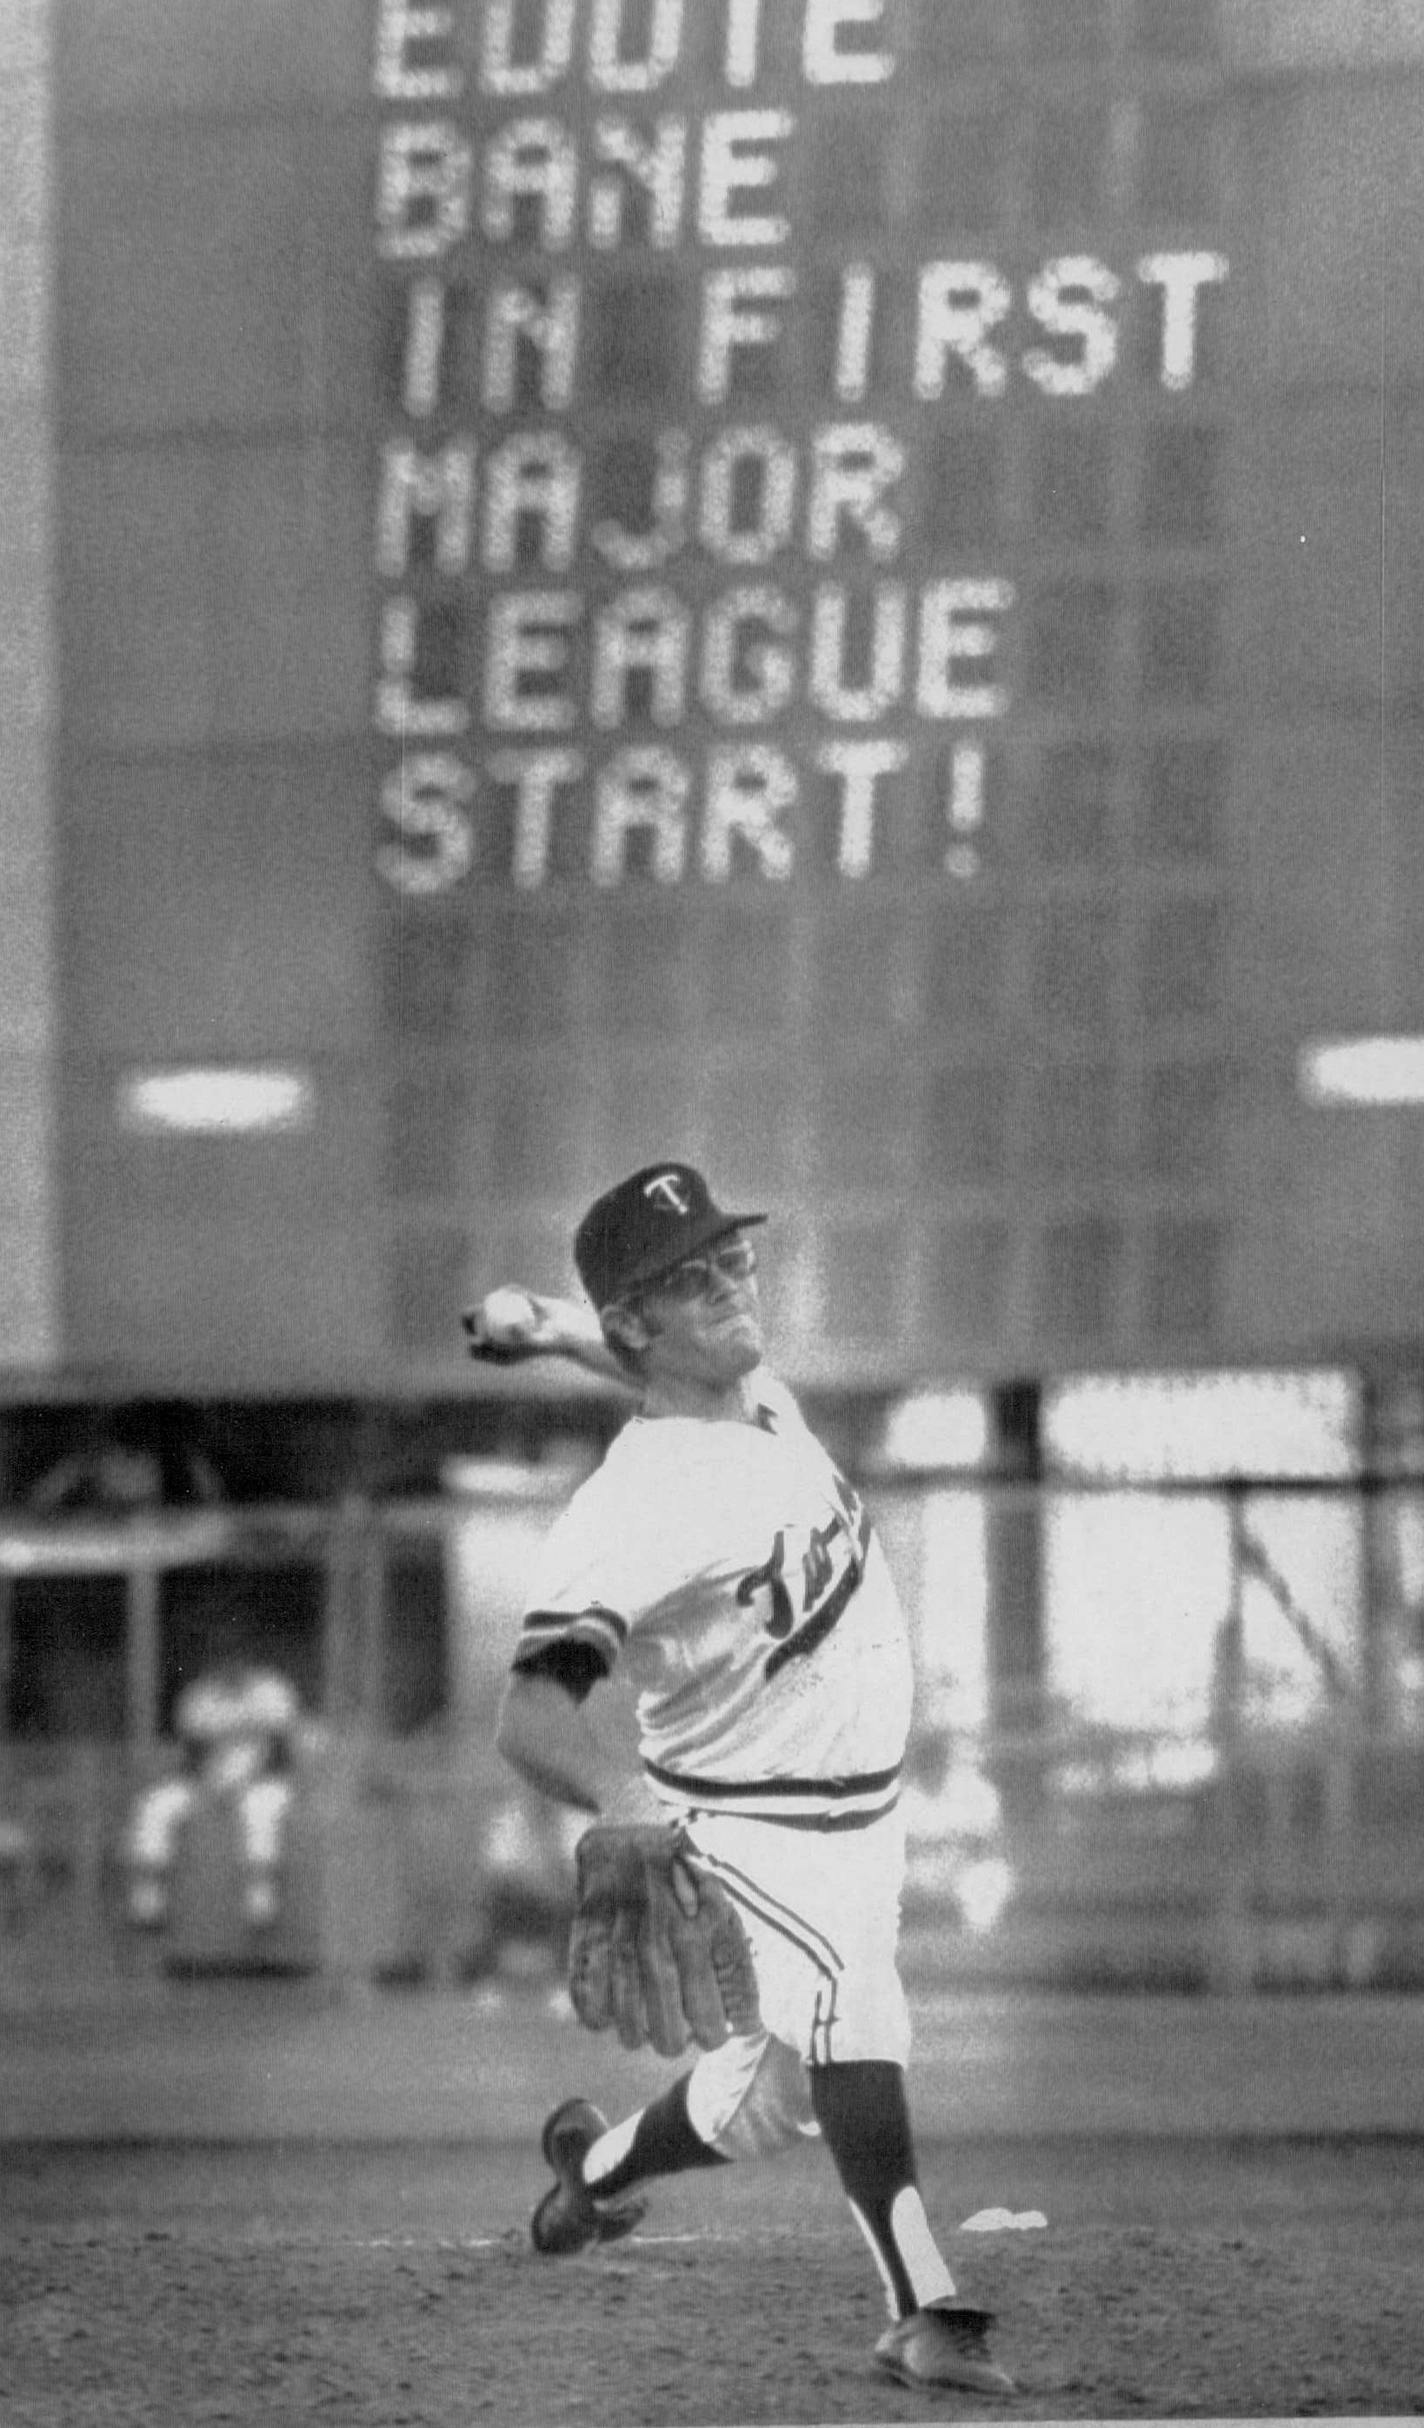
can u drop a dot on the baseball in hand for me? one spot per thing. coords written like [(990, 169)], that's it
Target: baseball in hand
[(508, 1316)]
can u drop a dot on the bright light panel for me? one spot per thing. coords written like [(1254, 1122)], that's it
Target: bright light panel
[(1185, 1425), (217, 1102), (1363, 1070), (1134, 1595), (937, 1429), (1136, 1589)]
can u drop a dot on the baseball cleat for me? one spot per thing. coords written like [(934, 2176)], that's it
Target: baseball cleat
[(569, 2218), (946, 2345)]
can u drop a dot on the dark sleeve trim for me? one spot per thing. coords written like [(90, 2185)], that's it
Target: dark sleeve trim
[(576, 1667), (595, 1625)]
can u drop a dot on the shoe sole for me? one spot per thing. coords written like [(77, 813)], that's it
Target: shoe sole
[(988, 2382), (607, 2225)]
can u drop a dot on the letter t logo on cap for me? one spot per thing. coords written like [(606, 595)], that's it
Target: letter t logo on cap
[(669, 1190)]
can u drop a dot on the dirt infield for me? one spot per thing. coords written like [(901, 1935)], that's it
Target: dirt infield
[(265, 2211), (394, 2288)]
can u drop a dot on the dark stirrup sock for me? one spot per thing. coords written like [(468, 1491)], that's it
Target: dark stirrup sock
[(664, 2143), (865, 2122)]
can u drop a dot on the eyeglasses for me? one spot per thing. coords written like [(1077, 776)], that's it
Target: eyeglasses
[(695, 1277)]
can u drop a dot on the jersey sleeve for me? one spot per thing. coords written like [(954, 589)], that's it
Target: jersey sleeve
[(575, 1648), (632, 1542), (597, 1572)]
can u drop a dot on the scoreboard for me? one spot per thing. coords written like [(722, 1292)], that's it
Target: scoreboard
[(707, 577), (784, 411), (805, 570)]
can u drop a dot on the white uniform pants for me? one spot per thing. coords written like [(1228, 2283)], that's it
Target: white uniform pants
[(822, 1912), (262, 1809)]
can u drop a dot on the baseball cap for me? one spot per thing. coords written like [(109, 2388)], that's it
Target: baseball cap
[(645, 1226)]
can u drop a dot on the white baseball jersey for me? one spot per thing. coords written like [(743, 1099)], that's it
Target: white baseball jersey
[(733, 1573)]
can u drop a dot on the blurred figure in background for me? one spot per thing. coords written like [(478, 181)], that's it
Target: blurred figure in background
[(237, 1728), (129, 1460)]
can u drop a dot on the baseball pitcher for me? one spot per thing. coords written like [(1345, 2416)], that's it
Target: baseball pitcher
[(742, 1897)]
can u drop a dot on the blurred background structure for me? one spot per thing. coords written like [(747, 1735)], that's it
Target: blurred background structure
[(828, 586)]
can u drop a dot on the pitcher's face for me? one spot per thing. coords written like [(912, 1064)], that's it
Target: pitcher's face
[(703, 1319)]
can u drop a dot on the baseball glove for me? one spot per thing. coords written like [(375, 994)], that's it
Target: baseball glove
[(657, 1947)]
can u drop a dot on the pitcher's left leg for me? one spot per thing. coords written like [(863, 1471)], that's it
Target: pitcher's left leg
[(864, 2118), (933, 2338)]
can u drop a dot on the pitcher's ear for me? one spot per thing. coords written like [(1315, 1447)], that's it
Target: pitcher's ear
[(625, 1328)]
